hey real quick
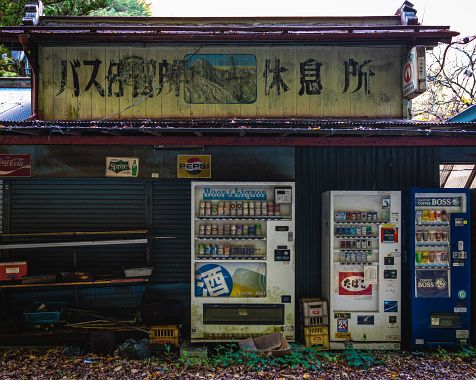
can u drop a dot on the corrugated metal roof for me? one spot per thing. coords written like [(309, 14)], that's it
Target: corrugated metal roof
[(15, 104)]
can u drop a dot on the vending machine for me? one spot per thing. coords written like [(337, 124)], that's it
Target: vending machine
[(361, 268), (242, 260), (440, 267)]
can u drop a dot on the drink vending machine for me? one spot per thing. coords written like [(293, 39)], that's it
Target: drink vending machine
[(440, 267), (243, 259), (361, 268)]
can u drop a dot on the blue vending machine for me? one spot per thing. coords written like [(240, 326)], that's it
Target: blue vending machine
[(440, 267)]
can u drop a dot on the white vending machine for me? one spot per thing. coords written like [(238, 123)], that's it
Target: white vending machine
[(361, 268), (243, 259)]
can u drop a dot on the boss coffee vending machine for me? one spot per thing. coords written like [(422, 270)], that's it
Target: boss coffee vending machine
[(361, 268), (242, 260), (440, 267)]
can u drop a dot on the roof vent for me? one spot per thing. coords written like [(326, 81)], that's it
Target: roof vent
[(33, 11)]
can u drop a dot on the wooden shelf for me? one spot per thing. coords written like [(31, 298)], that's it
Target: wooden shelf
[(119, 281)]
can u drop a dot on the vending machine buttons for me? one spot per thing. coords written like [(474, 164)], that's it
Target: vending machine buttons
[(389, 235), (282, 254)]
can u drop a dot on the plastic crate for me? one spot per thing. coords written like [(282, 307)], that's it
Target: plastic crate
[(315, 321), (313, 308), (51, 315), (165, 334), (138, 272), (317, 337)]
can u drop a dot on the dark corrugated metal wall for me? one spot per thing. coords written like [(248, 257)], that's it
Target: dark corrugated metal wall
[(348, 168), (171, 226), (56, 205)]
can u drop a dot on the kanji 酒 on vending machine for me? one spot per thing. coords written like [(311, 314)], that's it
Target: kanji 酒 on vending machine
[(243, 258), (440, 267), (361, 268)]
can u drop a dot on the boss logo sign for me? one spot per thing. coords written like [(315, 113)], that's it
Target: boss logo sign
[(451, 201)]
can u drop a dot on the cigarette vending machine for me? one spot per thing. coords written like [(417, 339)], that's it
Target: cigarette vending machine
[(440, 267), (361, 268), (243, 259)]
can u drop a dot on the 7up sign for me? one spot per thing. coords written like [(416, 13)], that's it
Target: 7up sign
[(122, 167)]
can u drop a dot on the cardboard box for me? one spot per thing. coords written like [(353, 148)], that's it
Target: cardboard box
[(13, 270)]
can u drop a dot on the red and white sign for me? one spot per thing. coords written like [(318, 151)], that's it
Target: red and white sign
[(13, 270), (15, 165), (414, 73), (353, 284)]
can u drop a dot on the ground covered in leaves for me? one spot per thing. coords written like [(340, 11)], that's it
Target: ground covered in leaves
[(227, 363)]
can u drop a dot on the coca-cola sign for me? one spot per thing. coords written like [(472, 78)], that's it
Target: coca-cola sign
[(15, 165)]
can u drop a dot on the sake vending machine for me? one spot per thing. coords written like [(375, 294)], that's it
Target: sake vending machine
[(361, 268), (242, 260), (440, 267)]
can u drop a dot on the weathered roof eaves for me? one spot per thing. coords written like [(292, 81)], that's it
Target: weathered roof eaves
[(235, 127)]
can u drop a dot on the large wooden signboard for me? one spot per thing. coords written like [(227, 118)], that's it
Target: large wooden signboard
[(163, 81)]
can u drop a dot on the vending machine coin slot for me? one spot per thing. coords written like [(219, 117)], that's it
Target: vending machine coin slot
[(390, 274), (286, 299), (282, 228), (282, 253)]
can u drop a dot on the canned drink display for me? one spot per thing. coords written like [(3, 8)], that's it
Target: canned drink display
[(207, 249), (337, 216), (239, 208), (258, 229), (270, 208), (348, 244), (353, 230), (201, 249), (353, 216), (425, 235), (201, 229), (251, 207), (348, 231), (252, 229), (431, 215), (358, 244), (220, 229), (214, 209), (277, 210), (226, 230), (226, 208), (220, 249), (226, 249), (444, 257), (431, 256), (258, 209), (369, 231), (264, 208), (213, 249), (358, 257), (364, 257), (358, 230), (438, 215), (369, 244), (437, 235), (418, 217), (353, 244), (245, 229), (425, 216), (444, 216), (444, 236), (342, 244), (246, 210), (374, 216), (208, 210), (221, 208), (233, 208), (437, 257), (431, 235), (369, 216), (363, 216), (418, 236), (214, 229), (425, 257), (239, 229), (418, 258), (233, 229), (208, 229)]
